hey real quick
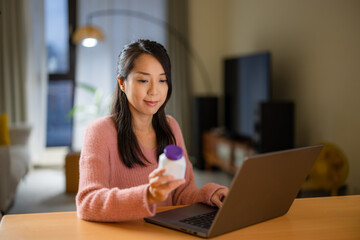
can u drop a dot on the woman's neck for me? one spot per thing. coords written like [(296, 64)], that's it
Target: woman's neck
[(144, 132), (143, 124)]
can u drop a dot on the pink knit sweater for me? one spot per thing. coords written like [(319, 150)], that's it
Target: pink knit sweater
[(111, 192)]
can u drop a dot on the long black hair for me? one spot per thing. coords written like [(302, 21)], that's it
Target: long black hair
[(128, 146)]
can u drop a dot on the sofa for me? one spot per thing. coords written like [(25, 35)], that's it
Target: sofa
[(14, 164)]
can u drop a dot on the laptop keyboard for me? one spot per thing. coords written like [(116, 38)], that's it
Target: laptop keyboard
[(203, 220)]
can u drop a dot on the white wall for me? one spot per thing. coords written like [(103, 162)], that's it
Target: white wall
[(316, 60), (207, 30)]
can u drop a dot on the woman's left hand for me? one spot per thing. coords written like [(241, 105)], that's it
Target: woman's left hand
[(218, 197)]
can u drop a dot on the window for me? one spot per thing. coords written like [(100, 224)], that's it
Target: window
[(59, 22), (57, 40)]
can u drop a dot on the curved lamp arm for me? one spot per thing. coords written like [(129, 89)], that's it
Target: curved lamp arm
[(90, 31)]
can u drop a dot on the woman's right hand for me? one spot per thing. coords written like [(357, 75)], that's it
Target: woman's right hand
[(160, 186)]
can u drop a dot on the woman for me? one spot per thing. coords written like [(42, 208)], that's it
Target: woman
[(119, 179)]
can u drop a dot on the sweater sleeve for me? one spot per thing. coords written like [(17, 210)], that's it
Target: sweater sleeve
[(188, 193), (95, 200)]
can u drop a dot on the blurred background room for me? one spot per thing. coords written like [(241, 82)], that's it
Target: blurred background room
[(249, 77)]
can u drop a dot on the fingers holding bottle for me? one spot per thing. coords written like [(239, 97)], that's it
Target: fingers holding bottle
[(160, 186)]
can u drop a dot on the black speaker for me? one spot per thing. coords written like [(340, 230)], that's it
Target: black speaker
[(205, 117), (275, 126)]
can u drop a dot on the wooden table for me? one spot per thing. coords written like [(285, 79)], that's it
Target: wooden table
[(311, 218)]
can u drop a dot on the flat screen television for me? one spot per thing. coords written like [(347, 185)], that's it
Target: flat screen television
[(247, 84)]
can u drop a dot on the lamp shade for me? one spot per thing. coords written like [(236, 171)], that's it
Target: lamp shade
[(87, 34)]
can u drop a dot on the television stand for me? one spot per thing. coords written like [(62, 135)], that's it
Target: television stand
[(225, 153)]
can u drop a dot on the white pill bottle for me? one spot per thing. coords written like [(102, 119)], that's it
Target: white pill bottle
[(173, 161)]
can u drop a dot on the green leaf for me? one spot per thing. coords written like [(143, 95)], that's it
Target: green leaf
[(74, 110), (86, 87), (98, 97)]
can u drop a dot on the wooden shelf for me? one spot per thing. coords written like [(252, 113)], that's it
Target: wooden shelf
[(224, 153)]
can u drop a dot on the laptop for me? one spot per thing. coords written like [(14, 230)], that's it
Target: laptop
[(263, 188)]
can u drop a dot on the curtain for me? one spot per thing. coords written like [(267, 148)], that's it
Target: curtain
[(180, 105), (23, 68), (97, 66), (36, 77), (12, 60)]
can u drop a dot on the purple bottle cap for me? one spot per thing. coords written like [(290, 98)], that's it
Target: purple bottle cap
[(173, 152)]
